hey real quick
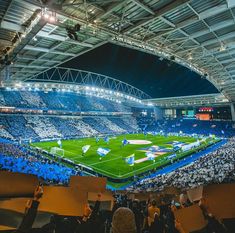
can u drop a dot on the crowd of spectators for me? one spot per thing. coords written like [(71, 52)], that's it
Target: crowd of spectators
[(16, 158), (215, 167), (43, 127), (127, 216), (55, 100), (189, 126)]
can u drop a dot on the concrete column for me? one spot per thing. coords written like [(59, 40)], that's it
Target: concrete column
[(233, 111)]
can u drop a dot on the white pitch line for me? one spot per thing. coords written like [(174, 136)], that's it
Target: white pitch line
[(105, 161), (108, 161), (142, 168), (69, 152), (105, 171)]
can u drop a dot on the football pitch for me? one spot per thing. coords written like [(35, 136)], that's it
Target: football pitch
[(114, 164)]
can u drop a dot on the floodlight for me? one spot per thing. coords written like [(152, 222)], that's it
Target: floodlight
[(46, 16)]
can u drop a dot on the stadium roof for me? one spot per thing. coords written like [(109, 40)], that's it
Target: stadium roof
[(198, 34), (190, 101)]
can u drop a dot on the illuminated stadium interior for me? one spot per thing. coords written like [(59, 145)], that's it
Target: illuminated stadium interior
[(117, 116)]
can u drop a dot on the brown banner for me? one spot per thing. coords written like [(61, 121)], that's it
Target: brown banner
[(91, 184), (221, 200), (17, 184), (191, 218)]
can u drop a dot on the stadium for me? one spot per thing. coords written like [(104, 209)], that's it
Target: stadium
[(117, 116)]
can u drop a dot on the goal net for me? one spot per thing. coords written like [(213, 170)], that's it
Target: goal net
[(57, 151)]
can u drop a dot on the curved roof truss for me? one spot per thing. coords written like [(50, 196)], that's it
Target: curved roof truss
[(198, 34), (90, 80)]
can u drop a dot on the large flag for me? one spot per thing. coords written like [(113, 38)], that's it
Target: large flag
[(85, 148), (150, 155), (106, 139), (130, 160), (97, 139), (171, 156), (103, 151), (125, 142), (59, 142)]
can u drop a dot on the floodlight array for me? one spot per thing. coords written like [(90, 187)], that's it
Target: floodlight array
[(88, 90)]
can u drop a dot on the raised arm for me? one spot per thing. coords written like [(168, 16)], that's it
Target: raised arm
[(31, 212)]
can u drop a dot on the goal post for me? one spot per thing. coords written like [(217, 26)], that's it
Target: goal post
[(57, 151)]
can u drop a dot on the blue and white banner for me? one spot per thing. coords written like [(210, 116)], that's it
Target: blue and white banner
[(171, 156), (103, 151), (125, 142), (130, 160), (106, 139), (59, 142), (188, 147), (150, 155), (85, 148)]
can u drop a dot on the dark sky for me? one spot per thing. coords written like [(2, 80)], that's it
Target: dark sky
[(143, 71)]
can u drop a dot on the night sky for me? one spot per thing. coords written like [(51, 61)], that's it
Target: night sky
[(146, 72)]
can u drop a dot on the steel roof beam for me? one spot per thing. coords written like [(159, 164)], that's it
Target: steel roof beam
[(6, 11), (45, 50), (213, 11), (63, 39), (111, 9), (229, 35), (158, 13), (209, 30), (30, 58), (5, 42), (227, 60), (143, 6), (12, 26), (29, 66)]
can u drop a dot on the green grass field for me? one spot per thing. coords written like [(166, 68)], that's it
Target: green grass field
[(114, 164)]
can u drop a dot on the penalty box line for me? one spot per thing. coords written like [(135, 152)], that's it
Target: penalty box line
[(92, 163), (104, 171)]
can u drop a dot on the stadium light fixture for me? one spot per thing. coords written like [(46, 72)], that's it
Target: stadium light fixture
[(46, 16), (222, 47), (52, 19)]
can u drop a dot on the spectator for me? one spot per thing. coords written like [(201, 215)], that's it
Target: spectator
[(152, 211), (123, 221)]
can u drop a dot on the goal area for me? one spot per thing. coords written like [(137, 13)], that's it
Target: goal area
[(57, 151)]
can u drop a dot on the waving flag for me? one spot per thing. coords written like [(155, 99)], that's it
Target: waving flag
[(171, 156), (102, 151), (59, 143), (150, 155), (97, 139), (106, 139), (125, 142), (85, 148), (130, 160)]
